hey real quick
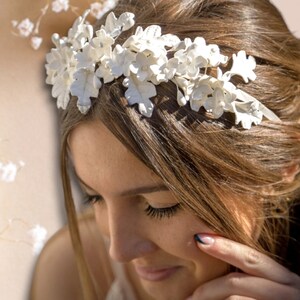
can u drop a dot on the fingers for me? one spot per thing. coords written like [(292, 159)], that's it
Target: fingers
[(246, 259), (239, 298), (229, 298), (244, 286)]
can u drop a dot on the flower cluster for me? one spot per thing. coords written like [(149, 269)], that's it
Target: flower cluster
[(83, 61), (29, 29)]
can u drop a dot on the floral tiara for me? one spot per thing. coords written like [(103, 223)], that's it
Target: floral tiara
[(81, 63)]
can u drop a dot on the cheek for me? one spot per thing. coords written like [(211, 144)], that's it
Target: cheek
[(176, 235), (174, 238), (101, 219), (177, 239)]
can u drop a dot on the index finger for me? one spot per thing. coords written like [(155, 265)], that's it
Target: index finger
[(245, 258)]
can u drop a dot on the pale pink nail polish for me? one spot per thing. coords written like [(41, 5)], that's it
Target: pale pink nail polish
[(204, 239)]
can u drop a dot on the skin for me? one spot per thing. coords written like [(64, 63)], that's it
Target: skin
[(263, 278), (161, 248), (105, 167)]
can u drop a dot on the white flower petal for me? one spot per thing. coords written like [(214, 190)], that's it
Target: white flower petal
[(170, 40), (80, 33), (36, 42), (247, 113), (25, 28), (14, 23), (60, 5), (105, 73), (8, 172), (115, 26), (38, 235), (181, 99), (126, 20), (242, 66), (87, 58)]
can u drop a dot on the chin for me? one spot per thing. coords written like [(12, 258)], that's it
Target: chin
[(168, 290)]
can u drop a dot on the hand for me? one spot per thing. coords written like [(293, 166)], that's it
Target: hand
[(263, 278)]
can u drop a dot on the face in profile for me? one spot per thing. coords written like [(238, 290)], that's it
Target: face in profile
[(146, 227)]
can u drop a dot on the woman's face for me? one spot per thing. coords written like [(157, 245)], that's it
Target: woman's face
[(139, 216)]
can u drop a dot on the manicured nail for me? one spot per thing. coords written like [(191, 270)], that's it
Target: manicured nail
[(204, 239)]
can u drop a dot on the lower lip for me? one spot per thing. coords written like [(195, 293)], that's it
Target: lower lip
[(155, 275)]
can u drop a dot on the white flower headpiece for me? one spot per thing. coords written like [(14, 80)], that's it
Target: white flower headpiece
[(81, 63)]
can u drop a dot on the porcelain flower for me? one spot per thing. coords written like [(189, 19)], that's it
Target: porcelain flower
[(242, 66), (60, 5), (183, 85), (146, 66), (80, 33), (36, 42), (8, 172), (82, 63), (38, 235), (115, 26), (220, 101), (147, 41), (99, 9), (200, 92), (25, 28)]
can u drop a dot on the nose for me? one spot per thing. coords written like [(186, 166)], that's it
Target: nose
[(128, 237)]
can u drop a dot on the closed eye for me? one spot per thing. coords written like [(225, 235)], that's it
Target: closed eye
[(91, 199), (150, 211), (162, 212)]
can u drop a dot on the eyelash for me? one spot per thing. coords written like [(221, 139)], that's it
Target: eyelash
[(157, 213), (162, 212), (91, 199)]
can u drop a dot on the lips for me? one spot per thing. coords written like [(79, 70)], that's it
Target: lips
[(155, 274)]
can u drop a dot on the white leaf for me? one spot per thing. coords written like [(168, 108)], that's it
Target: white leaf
[(62, 94), (140, 93), (85, 86)]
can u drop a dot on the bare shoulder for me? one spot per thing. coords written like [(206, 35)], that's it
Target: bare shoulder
[(55, 275)]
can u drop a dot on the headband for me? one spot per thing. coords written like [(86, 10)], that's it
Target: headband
[(83, 62)]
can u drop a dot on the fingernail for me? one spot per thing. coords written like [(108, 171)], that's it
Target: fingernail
[(204, 239)]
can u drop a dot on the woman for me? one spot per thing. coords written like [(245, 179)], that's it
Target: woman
[(191, 198)]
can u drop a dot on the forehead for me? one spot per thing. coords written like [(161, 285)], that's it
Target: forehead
[(103, 162)]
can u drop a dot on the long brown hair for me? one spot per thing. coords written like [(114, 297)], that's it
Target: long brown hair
[(201, 159)]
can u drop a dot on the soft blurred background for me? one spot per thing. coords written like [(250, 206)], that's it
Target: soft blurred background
[(31, 201)]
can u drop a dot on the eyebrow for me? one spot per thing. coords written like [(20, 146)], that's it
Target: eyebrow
[(148, 189)]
